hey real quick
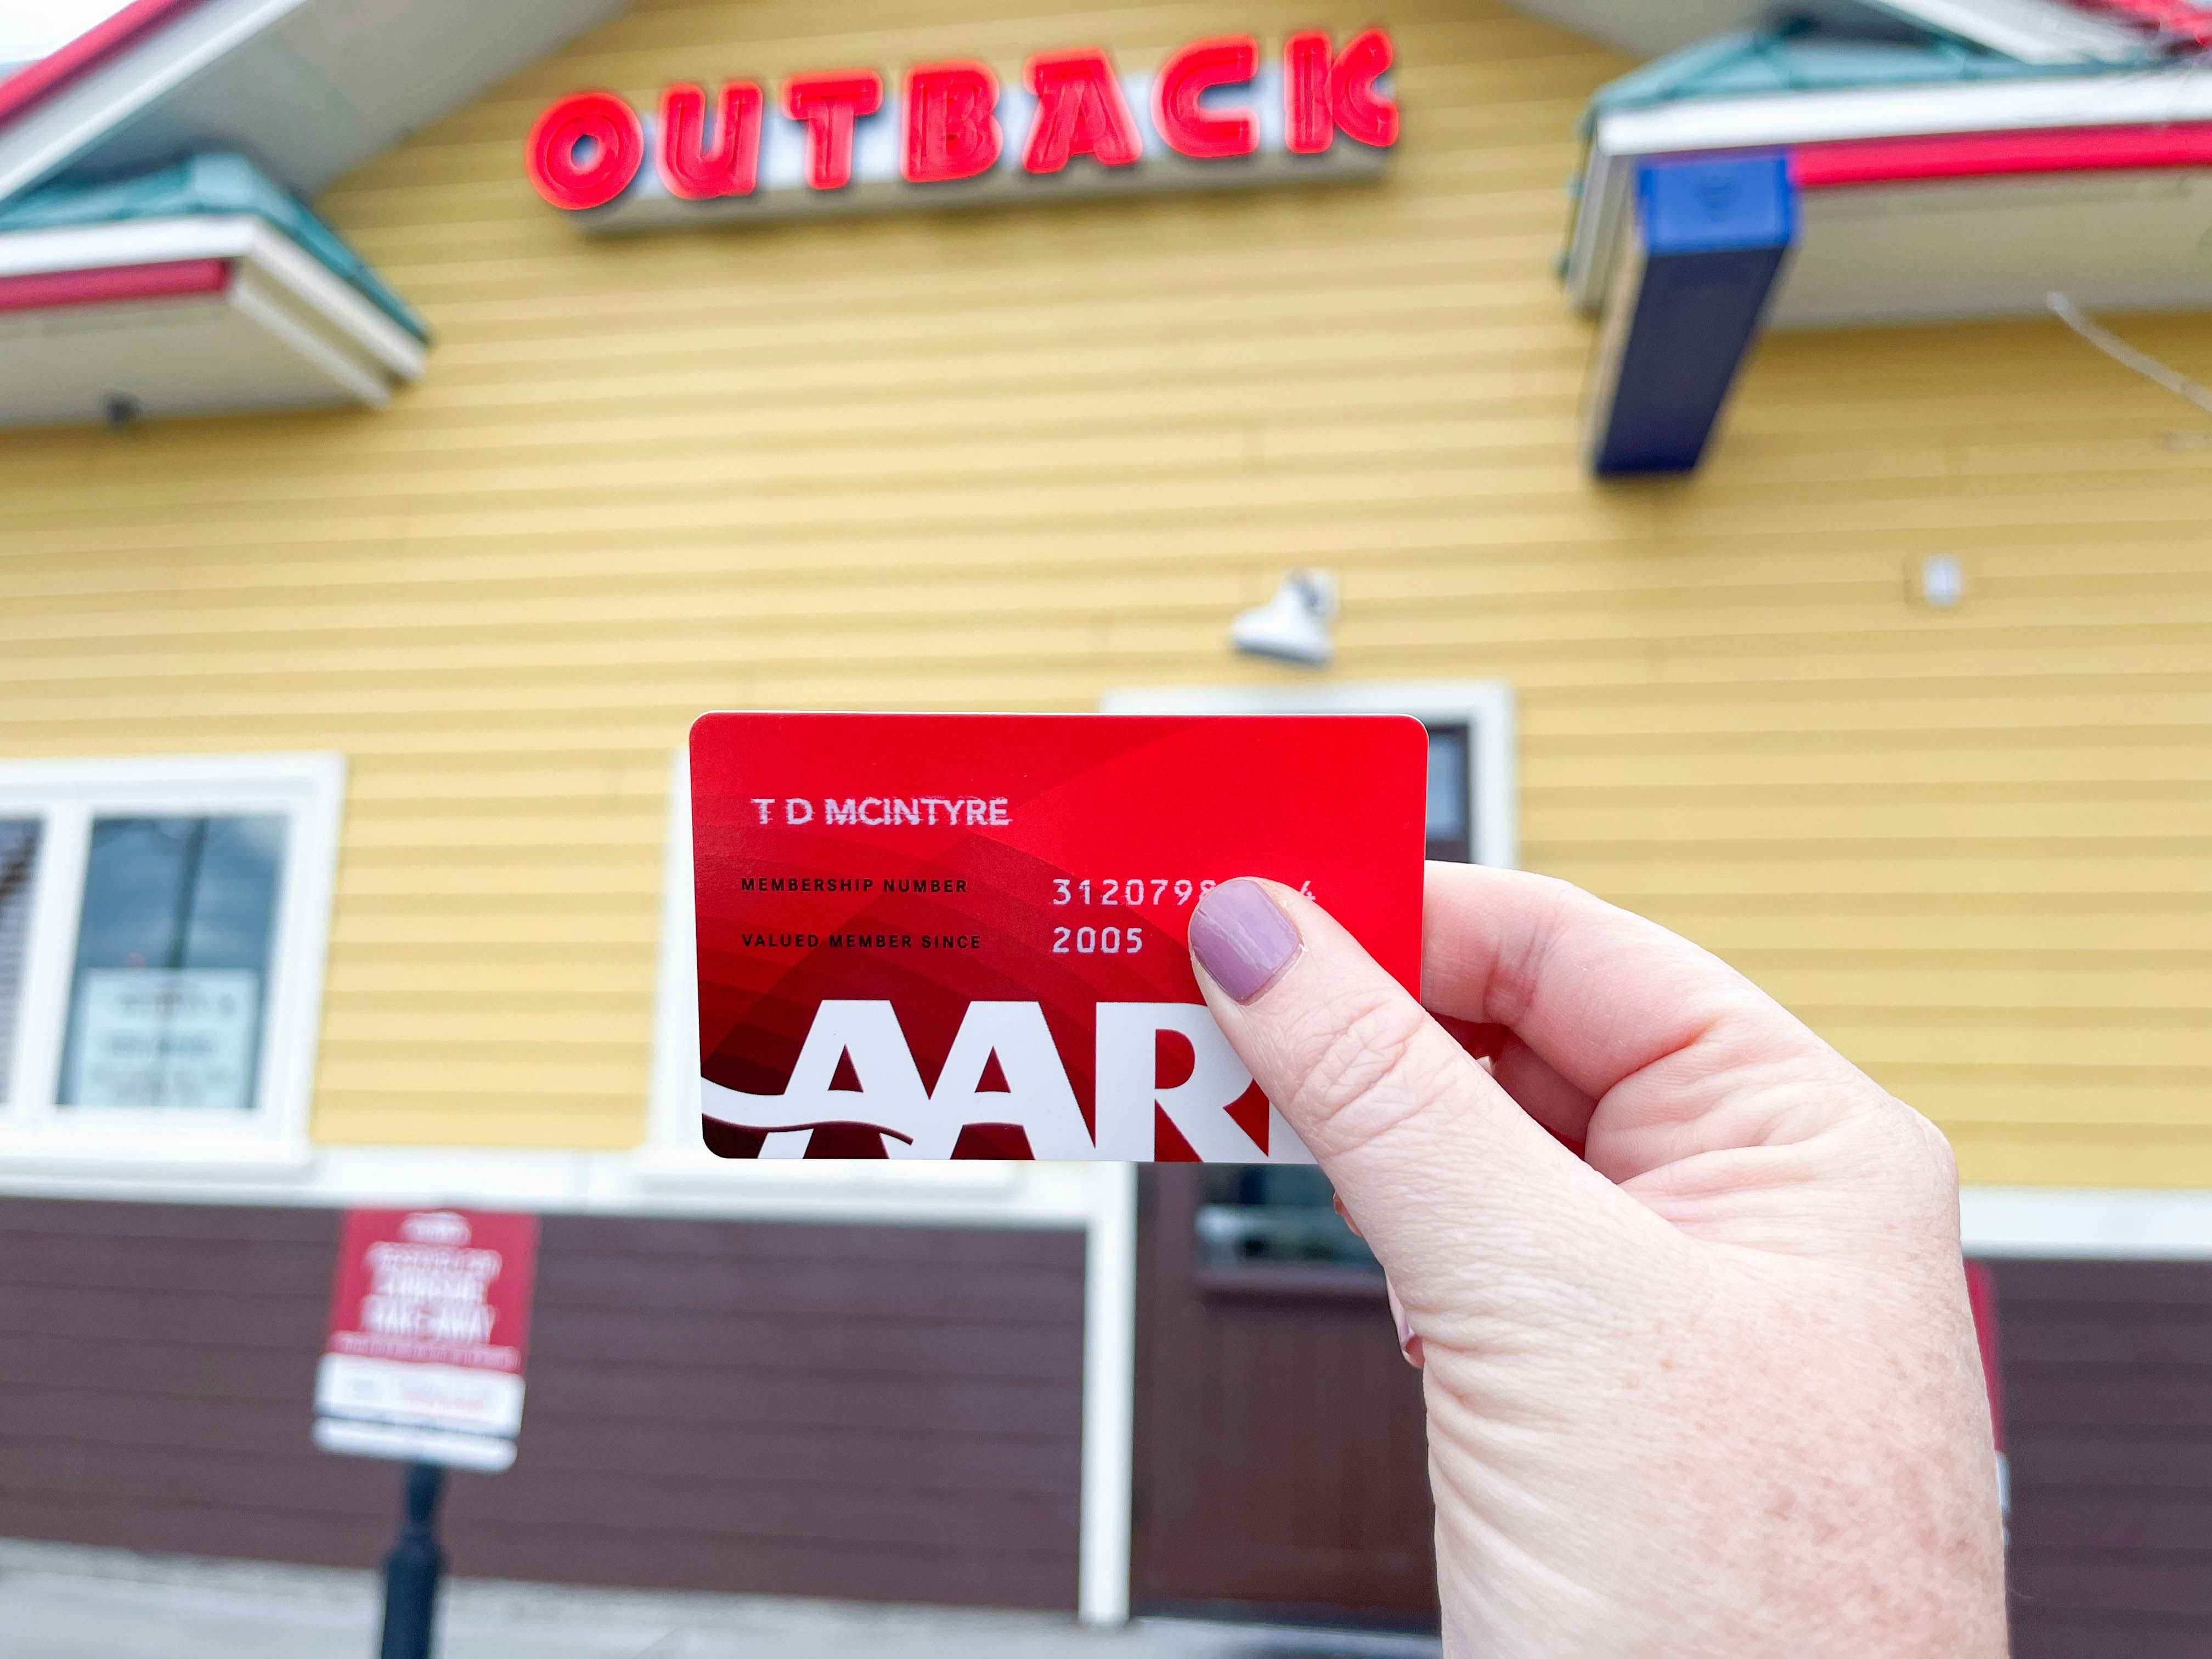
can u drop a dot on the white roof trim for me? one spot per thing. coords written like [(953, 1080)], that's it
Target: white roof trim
[(277, 258), (80, 114), (2032, 31), (2035, 31), (253, 297), (2182, 93), (128, 242)]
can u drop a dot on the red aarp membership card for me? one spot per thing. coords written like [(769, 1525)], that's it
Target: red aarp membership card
[(965, 936)]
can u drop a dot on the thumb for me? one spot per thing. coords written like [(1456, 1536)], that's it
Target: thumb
[(1420, 1142)]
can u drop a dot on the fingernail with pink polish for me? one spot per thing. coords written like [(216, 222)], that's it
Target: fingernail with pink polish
[(1242, 938), (1408, 1343)]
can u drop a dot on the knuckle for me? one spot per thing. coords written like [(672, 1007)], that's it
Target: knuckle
[(1561, 910), (1364, 1074), (1935, 1146), (1941, 1154), (1920, 1158)]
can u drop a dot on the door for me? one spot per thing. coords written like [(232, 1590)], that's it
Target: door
[(1281, 1455), (1281, 1465)]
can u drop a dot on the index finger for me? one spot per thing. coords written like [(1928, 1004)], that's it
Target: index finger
[(1598, 993)]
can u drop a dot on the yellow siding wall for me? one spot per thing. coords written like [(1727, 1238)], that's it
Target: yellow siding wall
[(1013, 458)]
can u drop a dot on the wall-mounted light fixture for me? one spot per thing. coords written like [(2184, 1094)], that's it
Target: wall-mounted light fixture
[(1295, 626)]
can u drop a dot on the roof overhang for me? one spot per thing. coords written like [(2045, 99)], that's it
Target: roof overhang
[(185, 316), (219, 309), (1703, 221), (1974, 190), (2033, 31), (309, 88)]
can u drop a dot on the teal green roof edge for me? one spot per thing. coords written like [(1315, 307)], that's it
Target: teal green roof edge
[(213, 182), (1756, 63)]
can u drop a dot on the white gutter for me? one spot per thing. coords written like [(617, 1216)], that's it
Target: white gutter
[(2146, 97)]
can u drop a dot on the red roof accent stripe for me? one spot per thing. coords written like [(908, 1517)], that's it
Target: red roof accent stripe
[(52, 290), (35, 82), (1850, 161)]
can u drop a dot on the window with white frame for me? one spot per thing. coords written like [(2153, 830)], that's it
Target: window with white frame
[(163, 925)]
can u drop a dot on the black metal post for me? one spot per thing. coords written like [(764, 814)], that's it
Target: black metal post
[(412, 1570)]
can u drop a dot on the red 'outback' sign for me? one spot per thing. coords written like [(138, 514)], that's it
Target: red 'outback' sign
[(429, 1323), (1220, 112)]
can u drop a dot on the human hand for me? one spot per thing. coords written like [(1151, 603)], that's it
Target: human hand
[(1709, 1388)]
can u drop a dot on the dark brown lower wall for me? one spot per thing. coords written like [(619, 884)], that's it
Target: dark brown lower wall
[(2107, 1372), (881, 1413)]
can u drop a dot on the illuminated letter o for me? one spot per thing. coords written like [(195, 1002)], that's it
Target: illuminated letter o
[(562, 176)]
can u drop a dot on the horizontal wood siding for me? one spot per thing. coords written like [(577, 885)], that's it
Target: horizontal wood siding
[(884, 1414), (1012, 459), (2108, 1406)]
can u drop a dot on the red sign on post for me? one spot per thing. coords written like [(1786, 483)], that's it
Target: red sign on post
[(429, 1321)]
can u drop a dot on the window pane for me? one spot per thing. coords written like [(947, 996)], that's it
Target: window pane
[(1450, 835), (18, 866), (1260, 1212), (172, 959)]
